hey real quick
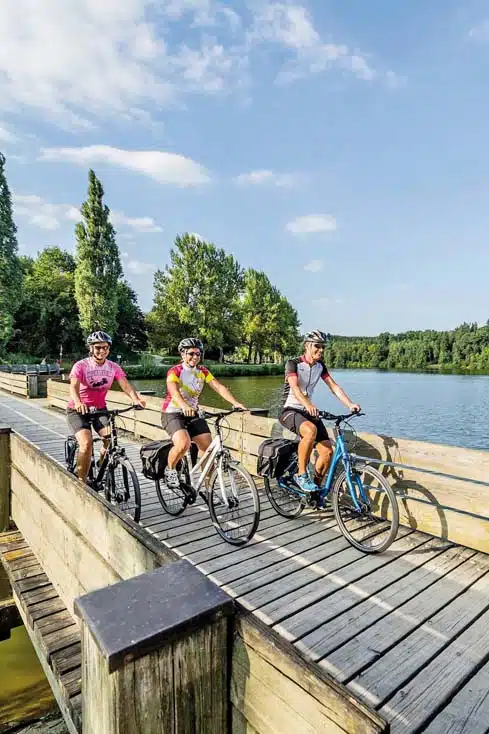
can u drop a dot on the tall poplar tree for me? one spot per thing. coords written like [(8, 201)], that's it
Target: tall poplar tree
[(10, 269), (98, 265)]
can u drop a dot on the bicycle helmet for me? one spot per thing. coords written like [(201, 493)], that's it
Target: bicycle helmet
[(316, 336), (96, 337), (190, 342)]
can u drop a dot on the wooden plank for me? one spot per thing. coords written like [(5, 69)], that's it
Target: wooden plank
[(4, 478), (277, 692), (440, 680), (468, 711), (450, 573), (412, 652), (293, 593), (67, 659), (357, 606)]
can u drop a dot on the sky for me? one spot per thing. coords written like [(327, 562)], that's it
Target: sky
[(341, 147)]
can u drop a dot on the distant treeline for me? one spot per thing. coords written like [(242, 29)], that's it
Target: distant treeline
[(466, 347)]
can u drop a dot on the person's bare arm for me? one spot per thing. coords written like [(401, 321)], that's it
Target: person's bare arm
[(223, 391), (340, 393), (131, 392), (75, 395)]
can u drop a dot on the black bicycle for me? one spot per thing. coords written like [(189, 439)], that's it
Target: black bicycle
[(115, 475)]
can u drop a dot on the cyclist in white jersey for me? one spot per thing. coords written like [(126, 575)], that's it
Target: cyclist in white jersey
[(300, 415)]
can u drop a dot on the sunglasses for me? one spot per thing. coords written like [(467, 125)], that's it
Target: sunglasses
[(193, 354), (318, 346), (101, 349)]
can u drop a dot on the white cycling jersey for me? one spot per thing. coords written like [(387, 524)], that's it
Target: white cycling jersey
[(308, 376)]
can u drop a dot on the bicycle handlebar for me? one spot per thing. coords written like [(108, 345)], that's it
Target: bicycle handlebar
[(105, 411), (325, 415), (222, 414)]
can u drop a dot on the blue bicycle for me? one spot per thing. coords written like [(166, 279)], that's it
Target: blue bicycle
[(363, 502)]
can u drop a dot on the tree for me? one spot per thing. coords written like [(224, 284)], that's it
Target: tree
[(10, 269), (48, 316), (197, 294), (131, 334), (98, 266)]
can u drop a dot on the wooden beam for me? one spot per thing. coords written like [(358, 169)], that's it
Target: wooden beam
[(4, 477)]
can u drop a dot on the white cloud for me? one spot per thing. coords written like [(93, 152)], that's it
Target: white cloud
[(45, 215), (136, 267), (292, 26), (144, 225), (263, 176), (5, 135), (97, 57), (311, 223), (480, 32), (315, 266), (39, 212), (166, 168), (94, 58)]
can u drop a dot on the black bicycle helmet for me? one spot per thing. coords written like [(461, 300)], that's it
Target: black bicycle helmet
[(96, 337), (316, 336), (190, 342)]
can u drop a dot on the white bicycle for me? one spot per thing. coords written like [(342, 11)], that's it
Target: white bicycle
[(230, 493)]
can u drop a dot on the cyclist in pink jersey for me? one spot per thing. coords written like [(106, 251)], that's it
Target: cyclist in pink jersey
[(184, 383), (90, 381)]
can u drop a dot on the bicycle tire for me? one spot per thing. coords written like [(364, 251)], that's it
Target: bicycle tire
[(131, 486), (389, 492), (179, 496), (273, 490), (214, 501), (71, 450)]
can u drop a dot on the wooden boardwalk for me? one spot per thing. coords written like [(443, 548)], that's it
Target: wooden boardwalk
[(406, 631)]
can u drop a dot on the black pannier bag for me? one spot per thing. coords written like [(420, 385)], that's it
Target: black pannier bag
[(274, 456), (154, 458)]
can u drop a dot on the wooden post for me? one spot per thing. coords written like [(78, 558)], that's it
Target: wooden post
[(155, 654), (4, 477), (32, 386)]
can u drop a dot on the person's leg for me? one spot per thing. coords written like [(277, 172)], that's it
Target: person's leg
[(101, 425), (203, 441), (301, 424), (84, 438), (325, 454), (308, 433), (181, 444)]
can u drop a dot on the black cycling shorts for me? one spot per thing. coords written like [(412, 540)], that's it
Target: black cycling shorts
[(172, 422), (292, 418), (85, 421)]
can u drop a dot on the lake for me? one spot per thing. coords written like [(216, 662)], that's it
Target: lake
[(449, 409)]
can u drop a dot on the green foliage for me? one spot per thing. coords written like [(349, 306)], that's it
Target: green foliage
[(197, 294), (10, 268), (47, 317), (131, 335), (204, 292), (464, 348), (155, 372), (98, 266)]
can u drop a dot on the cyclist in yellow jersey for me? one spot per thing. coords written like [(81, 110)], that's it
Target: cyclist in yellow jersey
[(184, 383)]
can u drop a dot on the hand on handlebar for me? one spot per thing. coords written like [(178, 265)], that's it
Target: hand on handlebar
[(188, 411), (355, 408), (81, 407), (312, 410), (240, 406)]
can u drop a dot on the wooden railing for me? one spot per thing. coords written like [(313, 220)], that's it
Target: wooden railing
[(163, 649), (442, 490), (27, 385)]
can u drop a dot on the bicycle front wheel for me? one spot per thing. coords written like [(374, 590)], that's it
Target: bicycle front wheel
[(234, 504), (174, 501), (122, 488), (365, 508)]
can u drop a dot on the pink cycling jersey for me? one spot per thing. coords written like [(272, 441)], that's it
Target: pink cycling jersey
[(96, 380)]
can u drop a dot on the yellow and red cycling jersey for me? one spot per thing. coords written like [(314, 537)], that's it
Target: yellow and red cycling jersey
[(190, 381)]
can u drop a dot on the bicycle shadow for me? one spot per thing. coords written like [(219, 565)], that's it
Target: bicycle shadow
[(410, 492)]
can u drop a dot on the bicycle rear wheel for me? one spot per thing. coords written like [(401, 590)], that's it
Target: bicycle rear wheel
[(122, 488), (174, 501), (234, 506), (372, 526), (283, 500)]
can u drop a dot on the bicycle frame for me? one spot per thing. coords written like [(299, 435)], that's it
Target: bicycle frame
[(341, 454)]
